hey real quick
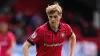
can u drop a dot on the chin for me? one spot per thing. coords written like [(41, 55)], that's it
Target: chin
[(53, 25)]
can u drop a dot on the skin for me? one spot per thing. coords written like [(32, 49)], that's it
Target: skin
[(72, 40), (25, 48), (54, 20), (3, 28)]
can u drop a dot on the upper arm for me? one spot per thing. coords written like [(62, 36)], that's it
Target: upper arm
[(69, 31), (26, 44), (72, 36), (35, 37), (12, 39)]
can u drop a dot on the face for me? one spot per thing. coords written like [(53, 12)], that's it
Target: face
[(3, 27), (54, 18)]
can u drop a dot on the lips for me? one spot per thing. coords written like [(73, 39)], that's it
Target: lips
[(52, 22)]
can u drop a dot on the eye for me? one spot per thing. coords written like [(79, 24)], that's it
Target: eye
[(55, 16), (50, 16)]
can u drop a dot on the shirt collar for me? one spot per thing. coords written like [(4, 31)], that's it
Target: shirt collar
[(48, 26)]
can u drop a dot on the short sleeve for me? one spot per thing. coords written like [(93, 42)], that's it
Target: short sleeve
[(69, 31), (12, 39), (11, 36), (35, 37)]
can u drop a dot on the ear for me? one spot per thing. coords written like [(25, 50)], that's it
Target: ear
[(48, 16), (60, 16)]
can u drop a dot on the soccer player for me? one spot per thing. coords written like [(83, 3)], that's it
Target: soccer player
[(50, 36), (7, 39)]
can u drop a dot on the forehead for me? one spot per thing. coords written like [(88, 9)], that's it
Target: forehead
[(54, 14), (3, 23)]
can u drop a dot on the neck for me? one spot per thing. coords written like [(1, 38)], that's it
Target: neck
[(3, 32), (55, 27)]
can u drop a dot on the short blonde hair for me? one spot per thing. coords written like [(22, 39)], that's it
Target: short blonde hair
[(54, 8)]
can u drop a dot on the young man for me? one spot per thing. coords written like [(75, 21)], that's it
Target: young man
[(7, 39), (49, 37)]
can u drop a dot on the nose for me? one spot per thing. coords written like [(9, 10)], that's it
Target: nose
[(53, 19)]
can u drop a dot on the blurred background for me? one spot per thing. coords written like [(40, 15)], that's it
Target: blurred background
[(24, 16)]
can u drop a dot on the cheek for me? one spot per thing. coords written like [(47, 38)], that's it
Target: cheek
[(49, 20), (58, 19)]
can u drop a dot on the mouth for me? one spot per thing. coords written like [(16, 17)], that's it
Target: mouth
[(52, 22)]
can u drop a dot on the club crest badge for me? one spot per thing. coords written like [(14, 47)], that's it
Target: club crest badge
[(62, 34), (34, 35)]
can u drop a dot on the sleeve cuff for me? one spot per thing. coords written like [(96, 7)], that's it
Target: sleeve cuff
[(70, 35), (30, 42)]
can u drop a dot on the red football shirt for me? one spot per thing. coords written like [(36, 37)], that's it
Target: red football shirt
[(5, 43), (49, 42)]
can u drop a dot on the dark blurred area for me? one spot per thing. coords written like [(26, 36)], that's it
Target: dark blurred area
[(24, 16)]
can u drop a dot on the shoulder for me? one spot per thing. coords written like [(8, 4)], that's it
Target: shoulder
[(68, 29), (41, 28), (66, 25), (11, 35)]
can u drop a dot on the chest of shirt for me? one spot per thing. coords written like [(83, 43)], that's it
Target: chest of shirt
[(4, 41), (54, 38)]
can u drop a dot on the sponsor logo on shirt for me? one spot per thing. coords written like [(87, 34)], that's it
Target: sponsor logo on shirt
[(3, 43)]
